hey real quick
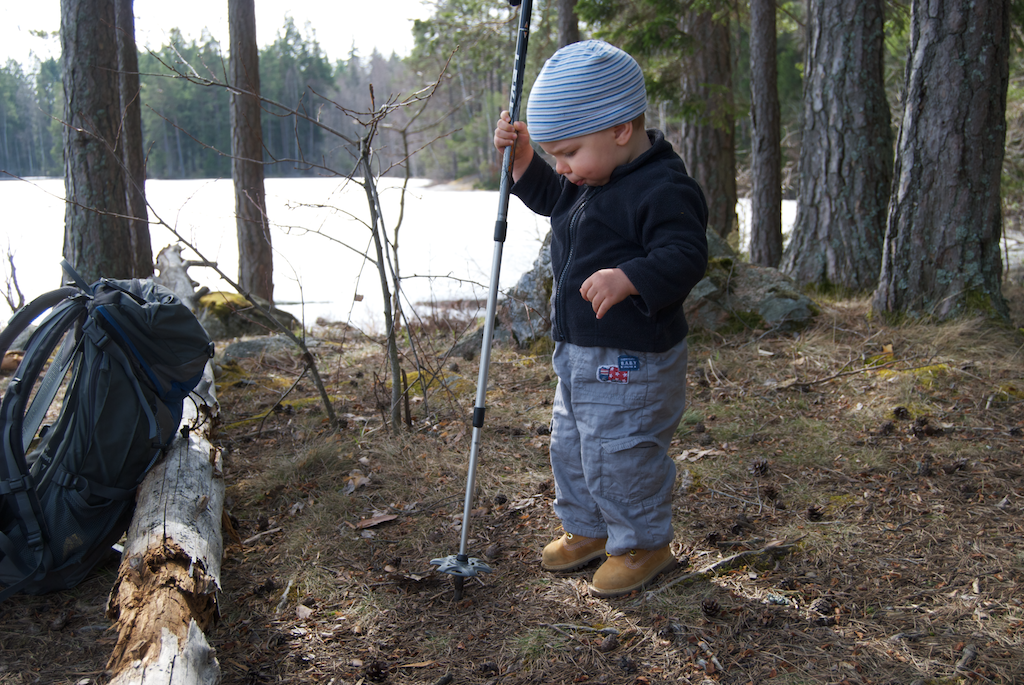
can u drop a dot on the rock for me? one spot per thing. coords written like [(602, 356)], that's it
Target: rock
[(735, 295), (470, 346), (21, 342), (256, 347), (527, 309), (228, 315), (718, 247)]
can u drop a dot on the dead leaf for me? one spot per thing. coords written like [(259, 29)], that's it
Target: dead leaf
[(376, 520), (356, 479), (12, 359), (697, 455)]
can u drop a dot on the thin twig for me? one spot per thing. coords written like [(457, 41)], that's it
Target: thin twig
[(280, 400), (771, 551)]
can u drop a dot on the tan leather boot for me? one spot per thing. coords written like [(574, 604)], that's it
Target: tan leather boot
[(635, 570), (571, 551)]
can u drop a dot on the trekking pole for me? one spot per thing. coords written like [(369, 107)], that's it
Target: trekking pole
[(461, 565)]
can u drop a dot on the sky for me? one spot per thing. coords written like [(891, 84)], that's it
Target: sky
[(338, 25)]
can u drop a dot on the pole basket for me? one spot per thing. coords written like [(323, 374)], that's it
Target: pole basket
[(460, 565)]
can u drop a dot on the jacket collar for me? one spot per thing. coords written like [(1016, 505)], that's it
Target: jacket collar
[(659, 146)]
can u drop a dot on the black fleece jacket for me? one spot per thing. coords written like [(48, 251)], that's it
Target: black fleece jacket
[(649, 220)]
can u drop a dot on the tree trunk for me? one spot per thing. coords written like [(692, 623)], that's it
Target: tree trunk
[(132, 152), (255, 256), (765, 146), (941, 256), (709, 147), (846, 149), (568, 23), (96, 233)]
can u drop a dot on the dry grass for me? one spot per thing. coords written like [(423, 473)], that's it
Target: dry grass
[(893, 456)]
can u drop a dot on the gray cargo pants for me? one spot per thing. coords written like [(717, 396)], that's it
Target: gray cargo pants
[(614, 415)]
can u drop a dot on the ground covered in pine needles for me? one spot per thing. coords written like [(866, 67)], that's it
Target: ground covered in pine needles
[(848, 510)]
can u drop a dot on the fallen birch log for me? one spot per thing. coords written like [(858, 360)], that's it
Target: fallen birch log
[(165, 596), (174, 275)]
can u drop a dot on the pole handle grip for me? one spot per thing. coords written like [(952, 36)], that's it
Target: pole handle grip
[(515, 97)]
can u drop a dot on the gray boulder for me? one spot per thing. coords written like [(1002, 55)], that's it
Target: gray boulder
[(526, 311), (469, 346), (256, 347), (734, 296)]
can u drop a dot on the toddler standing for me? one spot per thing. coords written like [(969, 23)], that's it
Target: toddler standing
[(628, 243)]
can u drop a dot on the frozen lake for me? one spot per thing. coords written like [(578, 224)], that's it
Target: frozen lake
[(446, 242)]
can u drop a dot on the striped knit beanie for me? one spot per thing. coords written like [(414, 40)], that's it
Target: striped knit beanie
[(584, 88)]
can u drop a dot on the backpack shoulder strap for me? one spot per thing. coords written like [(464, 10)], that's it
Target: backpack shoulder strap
[(65, 318), (16, 483), (74, 276), (30, 312)]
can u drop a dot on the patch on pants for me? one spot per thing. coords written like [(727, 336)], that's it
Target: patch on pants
[(612, 374)]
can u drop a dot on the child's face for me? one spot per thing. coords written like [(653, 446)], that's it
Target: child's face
[(590, 159)]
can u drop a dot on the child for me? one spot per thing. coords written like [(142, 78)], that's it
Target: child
[(628, 243)]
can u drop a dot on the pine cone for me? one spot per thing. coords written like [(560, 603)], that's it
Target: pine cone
[(822, 605), (709, 607), (760, 467), (958, 465), (771, 493), (376, 671), (814, 513)]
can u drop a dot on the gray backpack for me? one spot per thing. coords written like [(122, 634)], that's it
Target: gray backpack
[(126, 354)]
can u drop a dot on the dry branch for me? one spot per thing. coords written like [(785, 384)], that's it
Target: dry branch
[(767, 555)]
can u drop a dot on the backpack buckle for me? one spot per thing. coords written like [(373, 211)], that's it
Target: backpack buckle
[(14, 485), (65, 479), (35, 540)]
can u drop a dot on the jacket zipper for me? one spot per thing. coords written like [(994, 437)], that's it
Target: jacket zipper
[(577, 212)]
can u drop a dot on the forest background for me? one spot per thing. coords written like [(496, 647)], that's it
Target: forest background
[(186, 126)]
